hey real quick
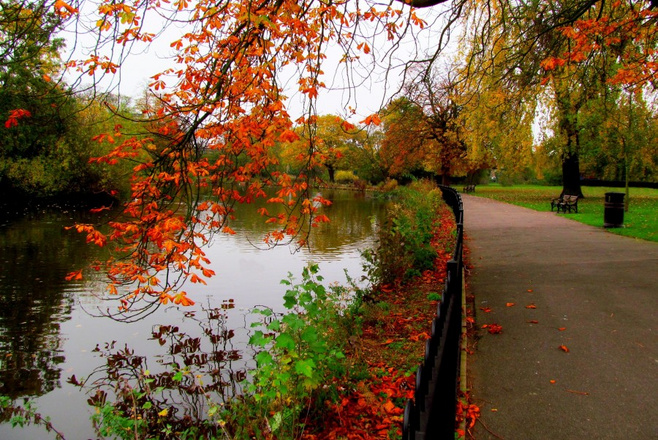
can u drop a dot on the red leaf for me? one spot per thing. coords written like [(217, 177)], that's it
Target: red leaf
[(494, 328), (564, 348)]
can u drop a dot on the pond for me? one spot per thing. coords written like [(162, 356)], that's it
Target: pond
[(49, 327)]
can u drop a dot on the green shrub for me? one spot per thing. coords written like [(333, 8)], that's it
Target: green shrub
[(300, 353), (389, 185), (345, 176), (404, 250)]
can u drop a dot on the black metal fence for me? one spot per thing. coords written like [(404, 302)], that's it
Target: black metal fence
[(431, 414)]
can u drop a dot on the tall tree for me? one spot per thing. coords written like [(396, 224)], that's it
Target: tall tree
[(442, 124), (33, 107), (518, 42)]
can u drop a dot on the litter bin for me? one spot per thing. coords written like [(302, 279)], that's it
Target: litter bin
[(613, 215)]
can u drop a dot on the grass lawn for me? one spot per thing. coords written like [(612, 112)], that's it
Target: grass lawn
[(641, 220)]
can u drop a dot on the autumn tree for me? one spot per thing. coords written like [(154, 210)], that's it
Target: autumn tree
[(527, 48), (442, 125), (402, 147), (423, 132), (223, 105), (332, 136), (222, 109)]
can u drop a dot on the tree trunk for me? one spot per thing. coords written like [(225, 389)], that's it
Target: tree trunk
[(571, 175), (332, 172)]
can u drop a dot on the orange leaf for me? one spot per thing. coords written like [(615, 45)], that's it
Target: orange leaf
[(562, 329), (485, 309), (534, 321), (564, 348), (494, 328), (74, 276), (372, 120), (420, 336), (531, 306), (510, 304), (102, 208)]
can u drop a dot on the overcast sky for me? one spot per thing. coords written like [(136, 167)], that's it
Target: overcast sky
[(368, 97)]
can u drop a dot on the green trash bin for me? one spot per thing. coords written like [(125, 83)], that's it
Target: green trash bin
[(613, 215)]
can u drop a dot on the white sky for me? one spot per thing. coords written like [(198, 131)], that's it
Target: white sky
[(368, 97)]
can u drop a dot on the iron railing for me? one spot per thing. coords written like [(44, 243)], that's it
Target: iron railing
[(431, 414)]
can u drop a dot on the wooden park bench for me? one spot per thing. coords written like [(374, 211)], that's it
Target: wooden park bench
[(469, 188), (564, 203)]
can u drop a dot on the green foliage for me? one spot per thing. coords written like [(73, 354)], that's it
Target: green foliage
[(300, 352), (405, 250), (389, 185), (24, 415), (46, 150), (343, 176)]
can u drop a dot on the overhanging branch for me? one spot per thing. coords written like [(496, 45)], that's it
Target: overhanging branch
[(422, 3)]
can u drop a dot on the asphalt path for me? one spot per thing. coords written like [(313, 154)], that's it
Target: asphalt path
[(554, 284)]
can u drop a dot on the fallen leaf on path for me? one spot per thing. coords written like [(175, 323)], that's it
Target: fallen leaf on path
[(552, 381), (529, 290), (564, 348), (531, 306), (562, 329), (510, 304), (534, 321), (485, 309), (582, 393), (494, 328)]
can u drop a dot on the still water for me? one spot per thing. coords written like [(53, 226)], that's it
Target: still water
[(49, 327)]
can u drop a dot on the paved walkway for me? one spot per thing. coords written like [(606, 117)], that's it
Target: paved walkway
[(595, 293)]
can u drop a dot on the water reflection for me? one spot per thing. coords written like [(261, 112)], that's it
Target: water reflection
[(46, 336), (36, 253)]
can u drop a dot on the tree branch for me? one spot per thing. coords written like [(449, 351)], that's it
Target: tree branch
[(422, 3)]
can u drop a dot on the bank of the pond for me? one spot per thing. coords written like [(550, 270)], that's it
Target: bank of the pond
[(395, 322), (339, 362)]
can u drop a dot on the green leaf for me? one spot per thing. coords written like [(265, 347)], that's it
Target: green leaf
[(290, 299), (310, 335), (258, 339), (263, 358), (274, 325), (285, 342), (305, 367)]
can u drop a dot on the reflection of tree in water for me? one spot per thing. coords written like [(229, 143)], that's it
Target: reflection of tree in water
[(35, 255), (351, 219)]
